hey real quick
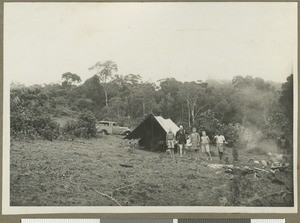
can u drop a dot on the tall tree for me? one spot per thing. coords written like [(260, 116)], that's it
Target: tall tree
[(143, 100), (104, 71), (191, 92), (254, 99), (70, 78), (286, 98), (122, 87), (92, 89), (167, 96)]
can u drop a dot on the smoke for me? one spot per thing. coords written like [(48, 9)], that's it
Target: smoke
[(268, 146), (252, 138)]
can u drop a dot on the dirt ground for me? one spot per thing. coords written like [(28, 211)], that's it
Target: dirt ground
[(88, 173)]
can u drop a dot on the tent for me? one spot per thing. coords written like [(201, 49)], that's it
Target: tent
[(152, 131)]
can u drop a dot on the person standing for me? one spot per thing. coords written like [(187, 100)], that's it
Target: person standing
[(181, 139), (283, 144), (205, 144), (170, 139), (220, 144), (195, 139)]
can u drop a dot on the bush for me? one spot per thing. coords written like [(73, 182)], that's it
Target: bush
[(46, 127), (83, 127), (34, 126)]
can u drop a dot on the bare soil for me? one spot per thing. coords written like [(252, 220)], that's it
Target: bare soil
[(88, 173)]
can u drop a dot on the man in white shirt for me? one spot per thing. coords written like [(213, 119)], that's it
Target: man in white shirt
[(220, 144)]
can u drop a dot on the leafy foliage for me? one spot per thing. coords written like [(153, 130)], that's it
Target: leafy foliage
[(104, 71), (70, 78), (245, 110), (28, 108), (83, 127)]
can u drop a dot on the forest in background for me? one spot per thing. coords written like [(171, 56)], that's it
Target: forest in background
[(246, 109)]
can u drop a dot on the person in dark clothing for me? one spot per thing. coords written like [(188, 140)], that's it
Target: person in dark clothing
[(283, 144), (181, 139)]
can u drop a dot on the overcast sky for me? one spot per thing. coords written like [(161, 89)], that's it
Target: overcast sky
[(188, 41)]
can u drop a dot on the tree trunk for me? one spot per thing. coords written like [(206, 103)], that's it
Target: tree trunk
[(106, 99), (193, 114), (144, 110), (244, 118), (189, 116)]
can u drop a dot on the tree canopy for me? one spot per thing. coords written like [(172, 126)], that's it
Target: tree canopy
[(248, 101)]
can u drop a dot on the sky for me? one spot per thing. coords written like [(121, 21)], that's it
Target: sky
[(187, 41)]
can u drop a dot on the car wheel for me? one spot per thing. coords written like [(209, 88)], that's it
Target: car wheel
[(104, 132), (127, 133)]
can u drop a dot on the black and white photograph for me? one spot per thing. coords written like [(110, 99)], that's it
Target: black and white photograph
[(150, 107)]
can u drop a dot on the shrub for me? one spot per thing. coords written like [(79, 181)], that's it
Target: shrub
[(34, 126), (46, 127), (83, 127)]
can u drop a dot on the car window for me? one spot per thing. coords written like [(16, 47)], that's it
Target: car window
[(115, 124), (103, 123)]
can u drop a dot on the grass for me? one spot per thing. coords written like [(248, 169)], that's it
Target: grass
[(65, 173)]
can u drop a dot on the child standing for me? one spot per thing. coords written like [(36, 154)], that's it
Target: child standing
[(170, 138), (205, 144)]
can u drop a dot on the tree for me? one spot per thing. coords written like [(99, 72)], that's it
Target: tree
[(242, 82), (286, 98), (254, 99), (143, 100), (287, 102), (268, 104), (93, 90), (122, 87), (104, 71), (248, 81), (191, 92), (167, 96), (70, 78), (115, 109)]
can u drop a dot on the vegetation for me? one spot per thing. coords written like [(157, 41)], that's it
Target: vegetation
[(247, 104), (250, 112), (84, 126), (80, 172)]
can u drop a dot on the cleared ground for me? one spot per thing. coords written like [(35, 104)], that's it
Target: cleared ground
[(88, 173)]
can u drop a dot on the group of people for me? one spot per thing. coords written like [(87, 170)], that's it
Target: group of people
[(193, 141)]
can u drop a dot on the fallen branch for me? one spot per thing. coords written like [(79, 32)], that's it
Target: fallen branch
[(262, 170), (110, 197)]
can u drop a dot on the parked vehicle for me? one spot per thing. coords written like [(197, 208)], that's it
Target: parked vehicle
[(108, 127)]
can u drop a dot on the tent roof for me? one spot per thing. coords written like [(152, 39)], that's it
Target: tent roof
[(167, 124)]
